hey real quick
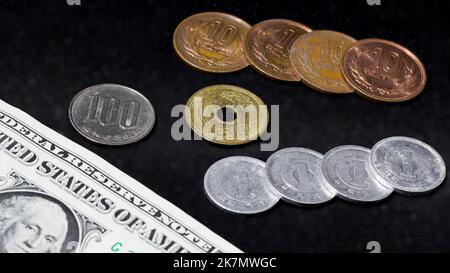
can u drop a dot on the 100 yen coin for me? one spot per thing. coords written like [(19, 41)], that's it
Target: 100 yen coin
[(111, 114)]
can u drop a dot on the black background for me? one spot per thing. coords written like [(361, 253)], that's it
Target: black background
[(49, 51)]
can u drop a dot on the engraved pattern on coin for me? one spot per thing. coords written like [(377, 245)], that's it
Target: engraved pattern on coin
[(111, 114), (317, 57), (407, 164), (345, 170), (239, 185), (212, 41), (383, 70), (296, 174), (267, 47), (244, 103)]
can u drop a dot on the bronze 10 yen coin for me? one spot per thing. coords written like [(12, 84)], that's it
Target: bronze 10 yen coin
[(212, 42), (383, 70), (268, 45), (317, 57)]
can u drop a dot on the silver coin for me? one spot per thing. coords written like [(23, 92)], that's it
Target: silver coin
[(407, 164), (345, 170), (296, 174), (111, 114), (239, 185)]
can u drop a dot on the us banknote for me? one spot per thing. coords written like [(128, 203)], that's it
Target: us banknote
[(56, 196)]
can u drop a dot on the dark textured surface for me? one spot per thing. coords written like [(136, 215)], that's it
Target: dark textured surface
[(50, 51)]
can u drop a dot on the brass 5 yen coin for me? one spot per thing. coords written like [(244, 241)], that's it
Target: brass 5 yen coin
[(227, 114), (212, 42)]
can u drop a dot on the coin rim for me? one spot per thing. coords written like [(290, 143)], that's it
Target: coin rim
[(400, 189), (306, 81), (342, 195), (221, 206), (254, 65), (328, 191), (200, 68), (225, 142), (130, 141), (407, 51)]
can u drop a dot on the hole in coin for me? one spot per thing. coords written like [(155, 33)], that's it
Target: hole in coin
[(226, 114)]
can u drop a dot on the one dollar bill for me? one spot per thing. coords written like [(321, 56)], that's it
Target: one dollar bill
[(56, 196)]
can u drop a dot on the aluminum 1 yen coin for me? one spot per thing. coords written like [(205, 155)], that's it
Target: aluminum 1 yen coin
[(345, 170), (296, 174), (407, 164), (111, 114), (239, 184)]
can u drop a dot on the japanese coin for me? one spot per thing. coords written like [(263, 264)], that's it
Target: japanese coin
[(267, 47), (246, 116), (407, 164), (317, 57), (296, 174), (111, 114), (212, 42), (383, 70), (239, 185), (345, 170)]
